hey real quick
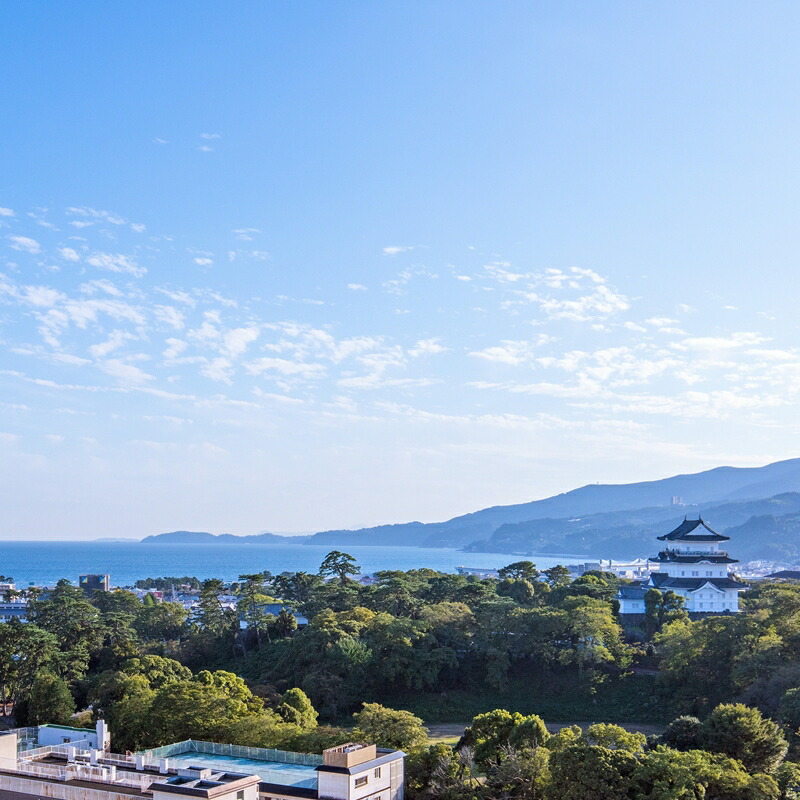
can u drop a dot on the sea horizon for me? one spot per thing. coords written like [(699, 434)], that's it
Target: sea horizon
[(45, 562)]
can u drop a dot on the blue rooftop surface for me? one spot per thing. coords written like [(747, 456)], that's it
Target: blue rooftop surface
[(300, 775)]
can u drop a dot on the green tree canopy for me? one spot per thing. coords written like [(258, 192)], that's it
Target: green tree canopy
[(387, 727), (50, 701), (745, 734), (339, 565), (519, 570)]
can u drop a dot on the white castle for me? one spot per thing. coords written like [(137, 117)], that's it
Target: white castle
[(691, 565)]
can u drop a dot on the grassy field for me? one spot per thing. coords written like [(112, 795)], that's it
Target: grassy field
[(630, 700), (450, 732)]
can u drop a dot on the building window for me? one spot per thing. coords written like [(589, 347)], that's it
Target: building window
[(240, 794), (708, 573), (377, 772), (695, 574), (701, 605), (362, 781)]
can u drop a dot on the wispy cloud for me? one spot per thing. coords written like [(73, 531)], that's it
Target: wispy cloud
[(25, 244), (116, 262), (393, 250)]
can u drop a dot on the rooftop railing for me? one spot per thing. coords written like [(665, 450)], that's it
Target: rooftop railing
[(234, 751)]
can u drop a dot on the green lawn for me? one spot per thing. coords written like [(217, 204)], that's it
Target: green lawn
[(628, 700)]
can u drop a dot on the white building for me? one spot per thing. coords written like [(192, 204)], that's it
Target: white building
[(691, 565), (62, 763)]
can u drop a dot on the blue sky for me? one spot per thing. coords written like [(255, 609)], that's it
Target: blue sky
[(302, 265)]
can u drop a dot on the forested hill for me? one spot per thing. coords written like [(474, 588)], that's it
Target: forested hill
[(203, 537), (760, 529), (712, 487), (598, 520)]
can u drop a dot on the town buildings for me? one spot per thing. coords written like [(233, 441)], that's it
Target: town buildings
[(691, 565)]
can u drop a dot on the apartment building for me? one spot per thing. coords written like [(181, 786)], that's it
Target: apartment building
[(52, 762)]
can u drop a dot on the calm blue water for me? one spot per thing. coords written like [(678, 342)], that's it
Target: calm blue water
[(44, 563)]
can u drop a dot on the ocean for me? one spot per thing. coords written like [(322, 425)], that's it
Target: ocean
[(43, 563)]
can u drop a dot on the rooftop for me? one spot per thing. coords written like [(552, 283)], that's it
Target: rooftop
[(687, 532), (272, 766)]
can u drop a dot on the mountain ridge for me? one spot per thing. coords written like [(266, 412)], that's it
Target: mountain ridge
[(478, 529)]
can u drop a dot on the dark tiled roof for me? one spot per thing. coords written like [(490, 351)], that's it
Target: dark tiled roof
[(685, 532), (786, 574), (693, 584), (657, 578), (285, 790), (668, 557), (631, 592)]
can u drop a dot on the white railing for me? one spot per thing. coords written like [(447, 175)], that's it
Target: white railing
[(234, 751), (58, 750), (83, 771)]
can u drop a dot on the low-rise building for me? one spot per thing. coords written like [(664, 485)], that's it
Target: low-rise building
[(85, 769)]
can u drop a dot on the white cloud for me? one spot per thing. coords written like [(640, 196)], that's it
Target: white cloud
[(169, 315), (93, 213), (508, 352), (174, 348), (237, 340), (26, 244), (116, 263), (499, 270), (602, 301), (204, 148), (124, 372), (284, 367), (115, 340), (6, 212), (41, 296), (218, 369), (245, 234), (137, 227), (661, 322), (68, 254), (100, 284), (732, 341), (178, 296), (393, 250), (203, 261), (210, 136), (427, 347), (356, 287)]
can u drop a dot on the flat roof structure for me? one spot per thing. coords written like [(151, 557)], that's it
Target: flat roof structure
[(192, 768)]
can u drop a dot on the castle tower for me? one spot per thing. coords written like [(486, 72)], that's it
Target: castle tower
[(691, 565)]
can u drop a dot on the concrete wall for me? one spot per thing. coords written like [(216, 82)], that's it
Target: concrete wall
[(52, 735), (8, 748), (250, 793), (362, 784)]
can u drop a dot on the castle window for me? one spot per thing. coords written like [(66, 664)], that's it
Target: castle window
[(362, 781)]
